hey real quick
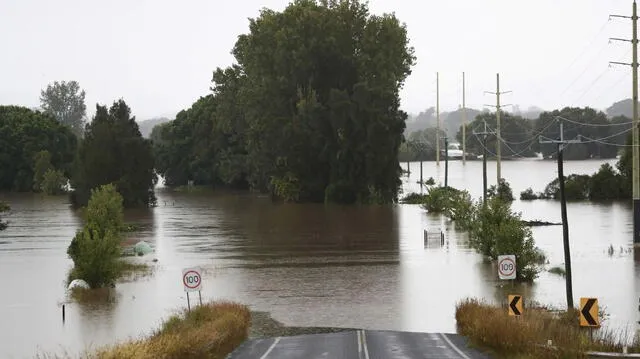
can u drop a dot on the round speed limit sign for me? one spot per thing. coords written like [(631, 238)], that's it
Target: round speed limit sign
[(192, 279), (507, 267)]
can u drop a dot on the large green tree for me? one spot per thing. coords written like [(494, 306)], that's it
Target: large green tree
[(65, 101), (322, 103), (113, 151), (24, 133)]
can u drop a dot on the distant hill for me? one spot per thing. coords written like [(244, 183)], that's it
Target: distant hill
[(449, 121), (621, 108), (531, 113), (147, 125)]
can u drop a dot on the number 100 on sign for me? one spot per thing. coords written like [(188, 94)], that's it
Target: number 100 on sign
[(192, 279), (507, 267)]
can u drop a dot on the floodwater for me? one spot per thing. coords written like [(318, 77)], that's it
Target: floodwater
[(309, 265)]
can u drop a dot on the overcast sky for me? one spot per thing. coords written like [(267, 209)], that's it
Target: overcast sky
[(159, 55)]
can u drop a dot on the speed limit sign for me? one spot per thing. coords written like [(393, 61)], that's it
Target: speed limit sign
[(192, 279), (507, 267)]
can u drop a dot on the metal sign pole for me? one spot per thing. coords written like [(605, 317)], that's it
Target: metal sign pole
[(188, 303), (200, 295)]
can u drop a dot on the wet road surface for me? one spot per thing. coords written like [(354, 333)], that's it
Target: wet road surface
[(361, 344)]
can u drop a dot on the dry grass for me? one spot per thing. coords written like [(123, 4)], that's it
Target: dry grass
[(210, 331), (526, 336)]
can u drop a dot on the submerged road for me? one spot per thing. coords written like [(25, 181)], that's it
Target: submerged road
[(361, 344)]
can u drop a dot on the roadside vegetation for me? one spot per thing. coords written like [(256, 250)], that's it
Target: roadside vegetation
[(527, 336), (210, 331)]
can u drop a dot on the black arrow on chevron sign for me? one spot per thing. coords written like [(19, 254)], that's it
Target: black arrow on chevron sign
[(585, 311), (513, 305)]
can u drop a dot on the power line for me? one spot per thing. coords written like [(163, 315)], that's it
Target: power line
[(597, 124), (608, 137)]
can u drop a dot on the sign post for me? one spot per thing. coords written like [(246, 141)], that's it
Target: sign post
[(192, 282), (507, 266)]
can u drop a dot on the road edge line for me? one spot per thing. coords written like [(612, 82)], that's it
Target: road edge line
[(275, 342), (454, 347), (364, 345), (359, 335)]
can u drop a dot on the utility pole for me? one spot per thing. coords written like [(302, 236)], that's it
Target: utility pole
[(464, 123), (438, 118), (484, 161), (636, 123), (563, 211), (446, 162), (498, 133)]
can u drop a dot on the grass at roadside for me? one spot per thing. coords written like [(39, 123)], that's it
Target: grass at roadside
[(211, 331), (525, 337)]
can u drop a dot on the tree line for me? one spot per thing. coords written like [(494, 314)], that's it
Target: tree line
[(602, 136), (40, 152), (310, 116)]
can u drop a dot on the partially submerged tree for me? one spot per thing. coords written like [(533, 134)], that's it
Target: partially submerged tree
[(96, 248), (310, 112), (65, 101)]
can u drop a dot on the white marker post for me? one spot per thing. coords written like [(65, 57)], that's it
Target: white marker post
[(192, 281), (507, 266)]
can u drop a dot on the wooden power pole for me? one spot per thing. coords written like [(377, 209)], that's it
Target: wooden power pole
[(636, 123), (438, 118), (498, 132), (563, 211), (464, 122), (484, 134)]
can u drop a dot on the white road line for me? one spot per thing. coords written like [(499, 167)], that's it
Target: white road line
[(462, 354), (359, 343), (275, 342), (364, 345)]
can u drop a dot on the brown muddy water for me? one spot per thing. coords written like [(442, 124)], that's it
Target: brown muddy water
[(309, 265)]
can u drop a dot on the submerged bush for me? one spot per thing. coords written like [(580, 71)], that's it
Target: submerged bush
[(497, 230), (414, 198), (502, 191), (529, 195), (439, 199)]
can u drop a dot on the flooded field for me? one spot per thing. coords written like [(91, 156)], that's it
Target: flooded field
[(309, 265)]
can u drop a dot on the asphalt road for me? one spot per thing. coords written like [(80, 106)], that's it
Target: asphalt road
[(361, 344)]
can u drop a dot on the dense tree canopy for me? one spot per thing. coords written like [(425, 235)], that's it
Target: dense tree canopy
[(586, 124), (24, 133), (309, 113), (113, 151), (65, 101)]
